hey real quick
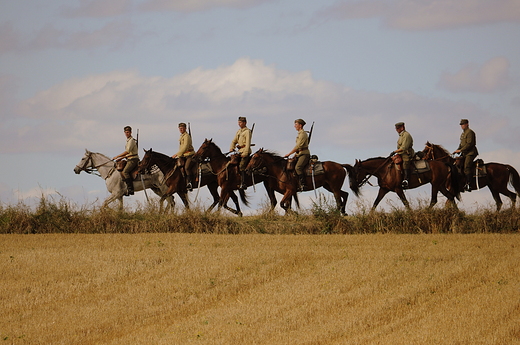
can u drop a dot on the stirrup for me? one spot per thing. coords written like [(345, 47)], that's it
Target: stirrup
[(467, 188), (189, 187), (404, 184)]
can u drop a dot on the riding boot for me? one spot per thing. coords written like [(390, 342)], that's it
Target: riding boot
[(242, 180), (189, 186), (404, 184), (302, 182), (130, 186), (467, 187)]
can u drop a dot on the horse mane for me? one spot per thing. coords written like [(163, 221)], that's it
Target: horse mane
[(272, 154), (440, 147), (104, 156), (373, 158)]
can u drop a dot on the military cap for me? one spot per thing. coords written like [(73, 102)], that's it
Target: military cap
[(464, 121), (242, 118), (300, 121), (399, 124), (182, 124), (127, 128)]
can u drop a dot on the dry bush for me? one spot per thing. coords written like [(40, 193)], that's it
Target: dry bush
[(60, 216)]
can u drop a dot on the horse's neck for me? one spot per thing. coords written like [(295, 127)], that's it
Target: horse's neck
[(218, 160), (375, 166), (103, 164), (164, 164), (275, 165)]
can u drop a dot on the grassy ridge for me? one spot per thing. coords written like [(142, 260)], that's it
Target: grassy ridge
[(61, 217)]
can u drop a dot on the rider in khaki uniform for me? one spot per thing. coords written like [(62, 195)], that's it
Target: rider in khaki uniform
[(301, 149), (242, 142), (132, 159), (405, 149), (468, 149), (186, 152)]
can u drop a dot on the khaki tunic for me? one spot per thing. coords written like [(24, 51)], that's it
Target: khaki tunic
[(185, 146), (468, 143), (132, 157), (131, 148), (468, 148), (405, 143), (303, 153), (302, 143), (243, 139)]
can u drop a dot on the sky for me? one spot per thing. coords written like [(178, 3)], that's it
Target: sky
[(74, 73)]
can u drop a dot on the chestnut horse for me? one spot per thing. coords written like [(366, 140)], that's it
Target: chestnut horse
[(227, 175), (285, 182), (497, 176), (390, 178), (174, 179)]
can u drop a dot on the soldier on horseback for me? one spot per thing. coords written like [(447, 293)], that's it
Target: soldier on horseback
[(302, 152), (468, 150), (242, 142), (132, 159), (184, 155), (405, 150)]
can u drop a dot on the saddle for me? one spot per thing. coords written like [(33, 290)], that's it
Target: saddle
[(480, 167), (120, 166), (314, 167)]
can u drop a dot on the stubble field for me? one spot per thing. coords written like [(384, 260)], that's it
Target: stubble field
[(178, 288)]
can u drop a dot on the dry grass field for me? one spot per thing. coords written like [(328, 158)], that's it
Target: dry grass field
[(177, 288)]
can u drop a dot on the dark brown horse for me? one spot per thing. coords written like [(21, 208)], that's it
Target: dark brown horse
[(227, 175), (390, 178), (174, 178), (285, 182), (497, 176)]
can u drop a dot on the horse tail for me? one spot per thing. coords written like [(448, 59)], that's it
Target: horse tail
[(243, 196), (352, 179), (514, 178)]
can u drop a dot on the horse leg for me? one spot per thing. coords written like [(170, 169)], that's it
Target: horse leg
[(285, 203), (496, 196), (341, 198), (380, 195), (270, 194), (233, 197), (184, 198), (401, 195), (213, 189)]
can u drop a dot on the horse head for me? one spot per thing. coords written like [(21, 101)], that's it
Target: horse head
[(208, 149), (145, 163), (83, 164), (256, 161)]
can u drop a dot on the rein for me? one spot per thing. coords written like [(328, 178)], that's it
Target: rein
[(365, 180)]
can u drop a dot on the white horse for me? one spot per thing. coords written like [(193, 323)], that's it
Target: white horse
[(105, 166)]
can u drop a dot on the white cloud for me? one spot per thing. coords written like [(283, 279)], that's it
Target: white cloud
[(98, 8), (9, 38), (81, 112), (199, 5), (426, 14), (492, 76)]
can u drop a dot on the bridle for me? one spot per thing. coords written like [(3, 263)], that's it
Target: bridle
[(93, 168), (369, 175)]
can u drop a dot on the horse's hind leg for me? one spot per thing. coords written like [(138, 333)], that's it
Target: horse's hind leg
[(496, 197), (224, 200)]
